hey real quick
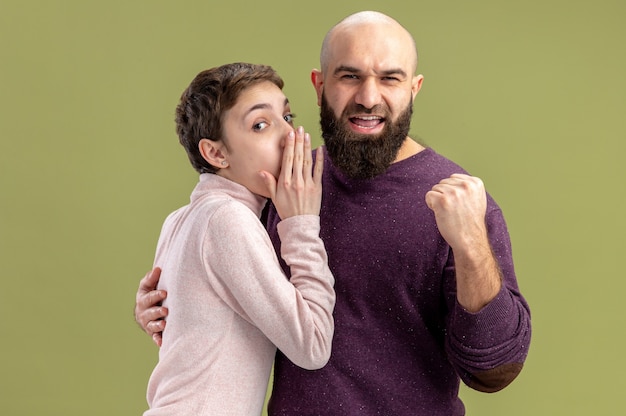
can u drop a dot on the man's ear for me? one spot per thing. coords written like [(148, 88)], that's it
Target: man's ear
[(416, 84), (212, 152), (317, 78)]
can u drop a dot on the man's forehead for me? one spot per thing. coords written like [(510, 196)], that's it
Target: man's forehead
[(380, 43), (381, 62), (381, 48)]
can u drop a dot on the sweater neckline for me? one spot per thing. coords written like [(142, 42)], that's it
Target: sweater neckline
[(212, 183), (391, 170)]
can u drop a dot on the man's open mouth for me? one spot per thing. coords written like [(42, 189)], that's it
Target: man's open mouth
[(367, 122)]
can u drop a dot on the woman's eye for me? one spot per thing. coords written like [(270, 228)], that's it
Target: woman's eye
[(259, 126), (289, 118)]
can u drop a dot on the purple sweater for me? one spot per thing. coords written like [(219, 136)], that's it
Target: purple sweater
[(402, 341)]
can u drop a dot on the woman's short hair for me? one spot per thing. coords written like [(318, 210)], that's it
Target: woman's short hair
[(212, 92)]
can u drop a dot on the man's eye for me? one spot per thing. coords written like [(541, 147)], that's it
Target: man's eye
[(349, 76), (289, 118), (259, 126)]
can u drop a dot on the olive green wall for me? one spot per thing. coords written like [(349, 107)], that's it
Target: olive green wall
[(530, 96)]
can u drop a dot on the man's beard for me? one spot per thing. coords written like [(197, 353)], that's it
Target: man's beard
[(363, 156)]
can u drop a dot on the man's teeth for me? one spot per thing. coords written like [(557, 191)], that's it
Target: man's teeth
[(367, 122)]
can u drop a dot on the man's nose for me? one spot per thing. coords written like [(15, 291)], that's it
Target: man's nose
[(368, 94)]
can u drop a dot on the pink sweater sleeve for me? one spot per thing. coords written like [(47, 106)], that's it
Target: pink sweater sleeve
[(296, 314)]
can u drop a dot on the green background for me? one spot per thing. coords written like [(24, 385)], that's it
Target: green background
[(529, 96)]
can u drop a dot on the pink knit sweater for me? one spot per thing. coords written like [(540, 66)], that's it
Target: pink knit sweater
[(231, 305)]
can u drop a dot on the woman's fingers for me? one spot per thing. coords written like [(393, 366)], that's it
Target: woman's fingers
[(288, 156), (298, 157), (298, 191)]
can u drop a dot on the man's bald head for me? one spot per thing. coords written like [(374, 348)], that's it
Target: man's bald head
[(368, 25)]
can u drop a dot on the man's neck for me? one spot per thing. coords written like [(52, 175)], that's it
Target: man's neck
[(409, 148)]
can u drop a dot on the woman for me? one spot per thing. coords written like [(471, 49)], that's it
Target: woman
[(230, 303)]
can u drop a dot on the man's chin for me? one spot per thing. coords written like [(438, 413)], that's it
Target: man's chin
[(365, 134)]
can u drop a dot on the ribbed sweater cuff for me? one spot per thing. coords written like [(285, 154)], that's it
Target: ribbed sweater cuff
[(491, 325)]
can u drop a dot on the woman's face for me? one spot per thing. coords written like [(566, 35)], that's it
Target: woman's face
[(254, 135)]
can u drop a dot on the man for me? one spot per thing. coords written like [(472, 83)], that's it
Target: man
[(426, 290)]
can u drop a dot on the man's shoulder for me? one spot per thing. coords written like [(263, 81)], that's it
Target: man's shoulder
[(431, 155), (427, 166)]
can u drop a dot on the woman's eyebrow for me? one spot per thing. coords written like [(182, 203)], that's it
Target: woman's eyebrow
[(262, 106)]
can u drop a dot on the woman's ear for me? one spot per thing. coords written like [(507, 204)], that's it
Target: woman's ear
[(212, 152)]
